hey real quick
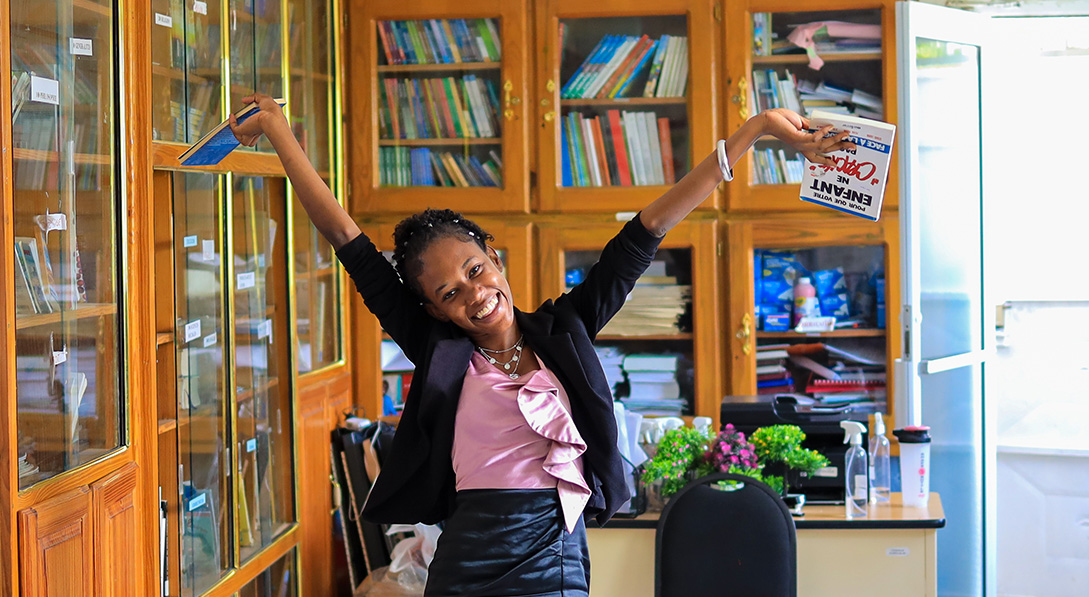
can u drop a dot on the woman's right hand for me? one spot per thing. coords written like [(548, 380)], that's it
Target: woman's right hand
[(250, 130)]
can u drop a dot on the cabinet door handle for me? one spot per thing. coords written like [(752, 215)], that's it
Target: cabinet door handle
[(509, 101), (741, 99), (548, 116), (744, 333)]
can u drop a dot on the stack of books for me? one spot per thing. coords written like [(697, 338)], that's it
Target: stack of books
[(772, 375), (621, 148), (612, 360), (653, 307), (438, 108), (440, 41), (652, 379), (617, 62)]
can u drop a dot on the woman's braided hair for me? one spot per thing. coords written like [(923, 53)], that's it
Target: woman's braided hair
[(415, 233)]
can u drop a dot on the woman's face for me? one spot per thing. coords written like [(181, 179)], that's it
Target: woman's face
[(465, 285)]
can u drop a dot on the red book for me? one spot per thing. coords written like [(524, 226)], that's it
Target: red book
[(666, 142), (385, 43), (599, 144), (394, 106), (619, 149), (632, 56), (439, 93)]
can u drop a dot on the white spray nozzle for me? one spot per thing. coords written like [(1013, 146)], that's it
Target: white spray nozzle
[(878, 424), (853, 431)]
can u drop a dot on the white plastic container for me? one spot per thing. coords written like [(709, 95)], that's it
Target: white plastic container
[(880, 473), (914, 465), (855, 471)]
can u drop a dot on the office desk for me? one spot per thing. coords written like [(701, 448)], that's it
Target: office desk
[(891, 551)]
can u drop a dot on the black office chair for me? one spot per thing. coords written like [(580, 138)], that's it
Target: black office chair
[(719, 542)]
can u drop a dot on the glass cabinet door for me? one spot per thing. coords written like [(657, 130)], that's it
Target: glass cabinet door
[(255, 57), (279, 579), (203, 431), (311, 109), (67, 343), (186, 71), (265, 496)]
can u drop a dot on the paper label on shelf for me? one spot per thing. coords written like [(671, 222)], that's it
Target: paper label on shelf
[(201, 8), (828, 471), (246, 280), (46, 91), (264, 329), (197, 502), (60, 356), (898, 552), (51, 222), (189, 241), (261, 260), (164, 20), (208, 249), (81, 47), (251, 445), (192, 330), (209, 340)]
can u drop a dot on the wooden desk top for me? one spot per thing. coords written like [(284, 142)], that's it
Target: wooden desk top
[(886, 516)]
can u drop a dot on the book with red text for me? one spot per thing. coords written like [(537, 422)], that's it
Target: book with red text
[(856, 184)]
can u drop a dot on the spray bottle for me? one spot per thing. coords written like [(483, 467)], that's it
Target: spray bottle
[(880, 474), (855, 471)]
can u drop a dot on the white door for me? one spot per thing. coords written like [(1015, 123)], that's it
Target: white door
[(940, 377)]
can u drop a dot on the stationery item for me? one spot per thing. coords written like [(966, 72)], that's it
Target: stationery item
[(220, 141)]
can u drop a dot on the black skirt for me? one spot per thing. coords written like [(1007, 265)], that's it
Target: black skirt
[(509, 543)]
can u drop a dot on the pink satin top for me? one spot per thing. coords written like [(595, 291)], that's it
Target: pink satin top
[(518, 434)]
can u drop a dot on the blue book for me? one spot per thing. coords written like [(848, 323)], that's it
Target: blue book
[(565, 158), (582, 67), (218, 142), (638, 67)]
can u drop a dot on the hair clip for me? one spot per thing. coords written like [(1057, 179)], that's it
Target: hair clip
[(456, 221), (430, 225), (471, 234)]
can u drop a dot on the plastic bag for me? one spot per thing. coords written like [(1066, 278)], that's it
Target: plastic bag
[(407, 572)]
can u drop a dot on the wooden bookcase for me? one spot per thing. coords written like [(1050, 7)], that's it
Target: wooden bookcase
[(139, 248), (494, 120), (568, 33)]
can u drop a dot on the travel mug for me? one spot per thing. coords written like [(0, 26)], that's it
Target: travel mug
[(914, 464)]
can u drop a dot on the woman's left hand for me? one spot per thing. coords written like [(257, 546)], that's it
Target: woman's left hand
[(793, 129)]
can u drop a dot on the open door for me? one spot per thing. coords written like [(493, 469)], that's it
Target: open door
[(940, 374)]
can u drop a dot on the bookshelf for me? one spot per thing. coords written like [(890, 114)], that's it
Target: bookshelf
[(65, 274), (867, 256), (446, 117), (621, 85), (685, 290), (851, 69)]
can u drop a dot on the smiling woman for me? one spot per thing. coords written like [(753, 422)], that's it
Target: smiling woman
[(507, 433)]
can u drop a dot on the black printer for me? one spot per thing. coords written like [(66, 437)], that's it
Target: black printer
[(822, 433)]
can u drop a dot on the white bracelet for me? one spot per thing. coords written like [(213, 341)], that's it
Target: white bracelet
[(724, 162)]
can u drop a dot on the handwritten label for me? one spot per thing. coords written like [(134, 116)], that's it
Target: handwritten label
[(898, 552), (197, 502), (189, 241), (246, 280), (208, 249), (251, 445), (264, 329), (192, 330), (60, 356), (209, 340), (46, 91), (51, 222), (201, 8), (81, 47), (164, 20)]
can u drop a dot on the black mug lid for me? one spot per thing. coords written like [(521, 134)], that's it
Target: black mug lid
[(916, 434)]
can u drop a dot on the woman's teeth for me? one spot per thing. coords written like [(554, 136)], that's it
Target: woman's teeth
[(488, 308)]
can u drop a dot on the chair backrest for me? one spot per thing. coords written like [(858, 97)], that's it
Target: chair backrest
[(736, 541)]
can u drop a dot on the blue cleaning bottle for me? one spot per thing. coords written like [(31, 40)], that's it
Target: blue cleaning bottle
[(855, 472)]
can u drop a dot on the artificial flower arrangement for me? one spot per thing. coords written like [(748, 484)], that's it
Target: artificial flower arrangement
[(686, 453)]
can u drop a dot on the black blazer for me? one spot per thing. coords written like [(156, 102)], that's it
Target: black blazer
[(417, 481)]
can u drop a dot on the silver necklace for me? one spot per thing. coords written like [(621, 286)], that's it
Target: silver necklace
[(514, 359)]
